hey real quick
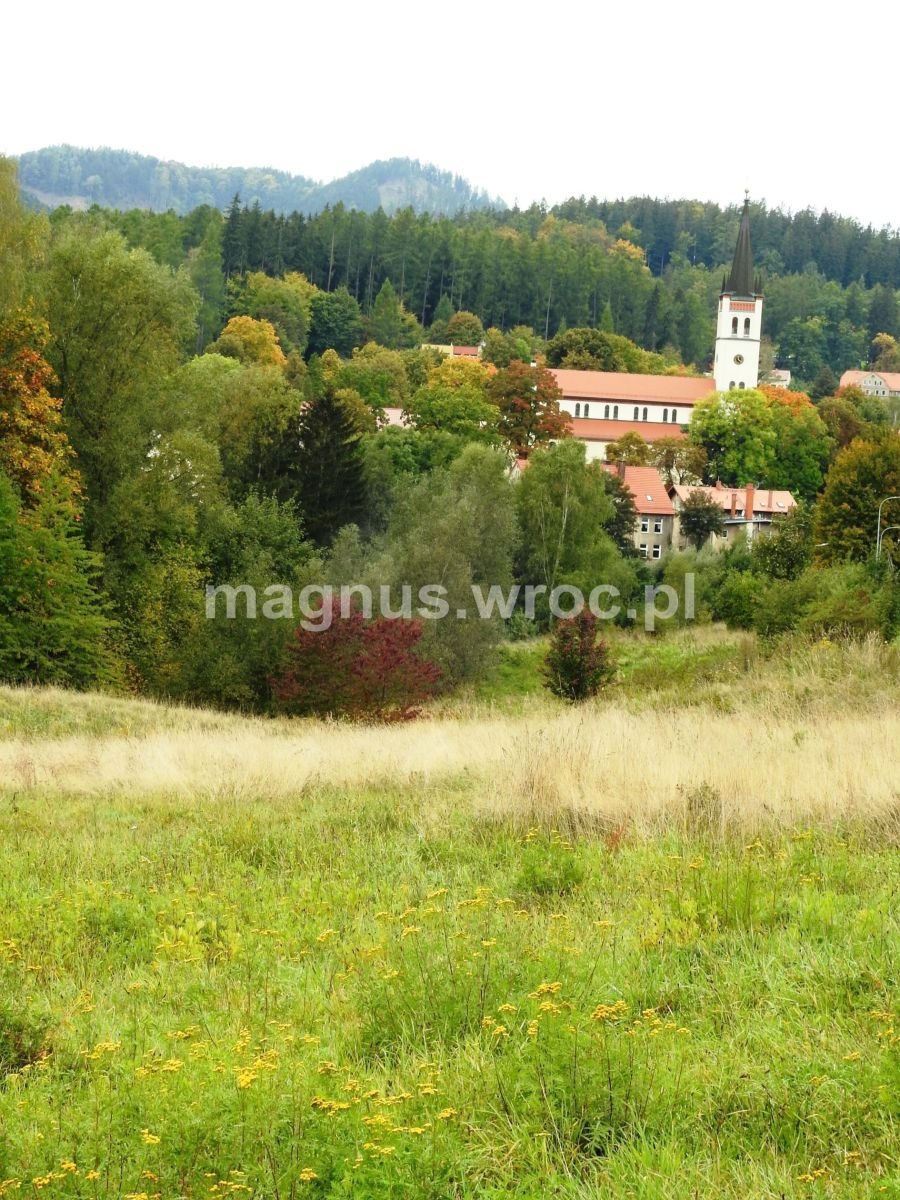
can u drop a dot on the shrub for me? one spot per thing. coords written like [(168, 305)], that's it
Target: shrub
[(577, 664), (356, 667)]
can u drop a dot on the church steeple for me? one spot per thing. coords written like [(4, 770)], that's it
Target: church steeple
[(740, 281), (739, 320)]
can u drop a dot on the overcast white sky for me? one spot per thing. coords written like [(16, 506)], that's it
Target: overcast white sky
[(528, 101)]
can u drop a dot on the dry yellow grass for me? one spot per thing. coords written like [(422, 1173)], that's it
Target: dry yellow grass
[(604, 763)]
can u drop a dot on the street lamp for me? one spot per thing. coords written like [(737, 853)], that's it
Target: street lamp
[(878, 534), (890, 529)]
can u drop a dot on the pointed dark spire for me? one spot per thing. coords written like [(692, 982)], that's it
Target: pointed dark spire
[(740, 281)]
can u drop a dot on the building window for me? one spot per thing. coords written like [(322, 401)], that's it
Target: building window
[(657, 524), (674, 416), (645, 524), (741, 384), (746, 326), (643, 549), (657, 551), (586, 407), (734, 324), (731, 386), (637, 412), (616, 413), (665, 416), (577, 410), (606, 412), (645, 414)]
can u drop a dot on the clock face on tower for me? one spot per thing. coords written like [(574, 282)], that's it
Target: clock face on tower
[(738, 358)]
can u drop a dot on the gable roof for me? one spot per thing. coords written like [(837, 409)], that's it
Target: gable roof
[(854, 378), (766, 501), (647, 488), (684, 390)]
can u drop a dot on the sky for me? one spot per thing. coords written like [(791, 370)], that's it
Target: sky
[(527, 101)]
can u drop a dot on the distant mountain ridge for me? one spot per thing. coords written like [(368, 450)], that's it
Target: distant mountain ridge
[(71, 175)]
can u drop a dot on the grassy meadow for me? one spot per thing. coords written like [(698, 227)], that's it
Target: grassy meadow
[(644, 948)]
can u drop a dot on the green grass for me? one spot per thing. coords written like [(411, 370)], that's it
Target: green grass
[(377, 995)]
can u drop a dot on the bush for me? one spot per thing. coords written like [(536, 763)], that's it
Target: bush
[(577, 664), (356, 667)]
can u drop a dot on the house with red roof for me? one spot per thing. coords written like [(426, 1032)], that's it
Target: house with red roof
[(883, 384), (748, 510), (654, 532)]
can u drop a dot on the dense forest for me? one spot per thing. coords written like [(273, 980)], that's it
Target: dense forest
[(655, 283), (119, 179), (197, 401)]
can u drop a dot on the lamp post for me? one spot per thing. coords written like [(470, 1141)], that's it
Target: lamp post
[(878, 531), (890, 529)]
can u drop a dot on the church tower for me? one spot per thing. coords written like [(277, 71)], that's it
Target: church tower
[(739, 321)]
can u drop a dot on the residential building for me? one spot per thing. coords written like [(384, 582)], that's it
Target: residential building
[(748, 510), (778, 377), (655, 526), (883, 384)]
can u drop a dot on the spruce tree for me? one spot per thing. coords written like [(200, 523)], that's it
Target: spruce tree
[(234, 240), (329, 466)]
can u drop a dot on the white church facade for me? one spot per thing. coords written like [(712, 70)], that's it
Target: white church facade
[(604, 405)]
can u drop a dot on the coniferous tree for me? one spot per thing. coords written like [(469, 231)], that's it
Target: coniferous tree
[(329, 467), (234, 242)]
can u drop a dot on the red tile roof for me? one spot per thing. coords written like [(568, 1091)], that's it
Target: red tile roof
[(648, 489), (465, 351), (765, 500), (587, 429), (855, 378), (619, 386)]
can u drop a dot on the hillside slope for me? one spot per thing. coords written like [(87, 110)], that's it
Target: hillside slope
[(59, 175)]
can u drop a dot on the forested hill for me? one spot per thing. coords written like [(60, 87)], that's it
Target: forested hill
[(60, 175)]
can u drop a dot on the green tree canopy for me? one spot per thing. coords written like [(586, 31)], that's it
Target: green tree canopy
[(847, 513)]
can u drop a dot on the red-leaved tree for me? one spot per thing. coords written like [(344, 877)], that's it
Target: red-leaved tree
[(577, 664), (358, 667)]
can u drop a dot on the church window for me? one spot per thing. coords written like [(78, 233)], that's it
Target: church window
[(645, 414), (637, 413), (746, 326), (741, 384), (734, 323), (616, 413), (674, 415), (665, 416), (586, 407), (606, 412), (577, 410), (731, 386)]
